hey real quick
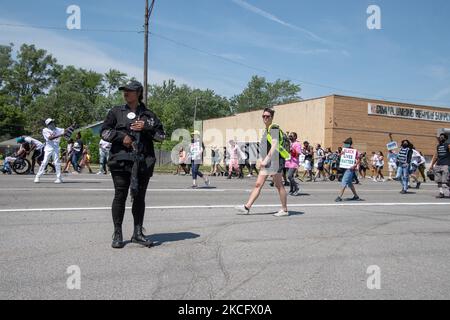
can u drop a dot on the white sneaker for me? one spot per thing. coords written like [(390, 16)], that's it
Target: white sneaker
[(36, 180), (58, 181), (207, 182), (249, 175), (281, 213), (242, 210)]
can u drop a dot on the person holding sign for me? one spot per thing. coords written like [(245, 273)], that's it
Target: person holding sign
[(349, 161), (392, 161)]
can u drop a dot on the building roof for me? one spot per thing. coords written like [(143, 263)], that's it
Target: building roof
[(446, 109), (10, 142)]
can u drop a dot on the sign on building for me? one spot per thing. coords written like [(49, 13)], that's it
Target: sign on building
[(408, 113)]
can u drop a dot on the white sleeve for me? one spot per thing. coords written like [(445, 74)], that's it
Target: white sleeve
[(46, 133)]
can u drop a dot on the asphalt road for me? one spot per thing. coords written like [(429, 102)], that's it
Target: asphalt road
[(203, 250)]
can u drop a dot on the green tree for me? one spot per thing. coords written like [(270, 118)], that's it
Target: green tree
[(260, 94), (31, 75), (175, 106), (12, 122), (6, 63), (74, 99), (114, 78)]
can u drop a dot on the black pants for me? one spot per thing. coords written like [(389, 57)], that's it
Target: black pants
[(293, 183), (38, 155), (121, 185)]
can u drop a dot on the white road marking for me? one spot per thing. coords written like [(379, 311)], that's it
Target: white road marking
[(202, 189), (308, 205)]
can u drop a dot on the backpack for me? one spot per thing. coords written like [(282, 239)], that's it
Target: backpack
[(285, 143)]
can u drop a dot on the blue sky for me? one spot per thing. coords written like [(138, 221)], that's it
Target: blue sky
[(325, 43)]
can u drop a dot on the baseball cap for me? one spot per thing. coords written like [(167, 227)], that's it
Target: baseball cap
[(132, 85), (48, 121)]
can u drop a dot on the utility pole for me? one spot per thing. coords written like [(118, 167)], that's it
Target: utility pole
[(145, 50), (195, 110), (148, 13)]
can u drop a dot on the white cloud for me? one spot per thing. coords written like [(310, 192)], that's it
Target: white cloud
[(83, 54), (231, 56), (274, 18)]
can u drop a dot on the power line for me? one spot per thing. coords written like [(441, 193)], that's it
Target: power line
[(66, 29), (178, 43), (286, 76)]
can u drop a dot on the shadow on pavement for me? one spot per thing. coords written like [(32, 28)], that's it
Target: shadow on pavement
[(160, 238), (291, 213), (203, 188)]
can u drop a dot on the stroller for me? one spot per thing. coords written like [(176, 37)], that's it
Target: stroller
[(335, 171)]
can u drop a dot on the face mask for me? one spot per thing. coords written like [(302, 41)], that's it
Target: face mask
[(51, 126), (405, 146), (347, 145)]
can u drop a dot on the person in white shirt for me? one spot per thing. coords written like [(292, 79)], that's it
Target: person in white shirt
[(416, 160), (104, 148), (380, 166), (374, 164), (52, 136), (196, 155)]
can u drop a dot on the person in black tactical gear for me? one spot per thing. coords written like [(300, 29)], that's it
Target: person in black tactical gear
[(403, 165), (131, 129)]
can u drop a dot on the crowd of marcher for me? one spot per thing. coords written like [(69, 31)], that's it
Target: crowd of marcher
[(308, 163), (49, 156)]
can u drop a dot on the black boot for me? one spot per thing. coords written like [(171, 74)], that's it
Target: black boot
[(138, 237), (117, 242)]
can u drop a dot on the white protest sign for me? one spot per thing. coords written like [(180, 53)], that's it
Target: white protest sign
[(392, 145), (302, 158), (348, 158)]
